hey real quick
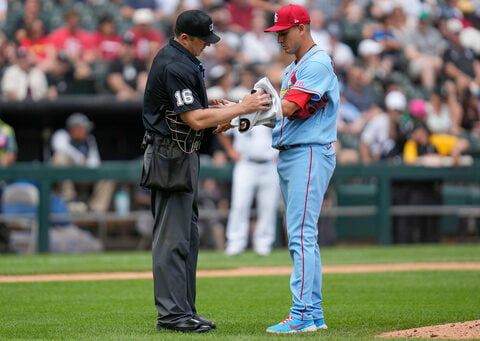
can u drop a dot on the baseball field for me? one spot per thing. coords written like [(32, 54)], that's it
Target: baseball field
[(367, 291)]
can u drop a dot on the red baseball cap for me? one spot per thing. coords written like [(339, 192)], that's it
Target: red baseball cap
[(289, 16)]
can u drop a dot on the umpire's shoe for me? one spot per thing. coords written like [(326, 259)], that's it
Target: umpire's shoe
[(206, 321), (191, 325)]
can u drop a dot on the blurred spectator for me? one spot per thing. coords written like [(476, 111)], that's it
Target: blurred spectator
[(221, 81), (37, 44), (130, 6), (7, 53), (248, 76), (376, 68), (461, 64), (106, 39), (318, 28), (423, 49), (435, 150), (75, 145), (349, 126), (23, 80), (127, 75), (358, 91), (241, 15), (384, 34), (221, 18), (448, 10), (342, 54), (471, 112), (30, 13), (444, 113), (73, 40), (65, 75), (331, 9), (381, 138), (353, 22), (147, 40), (8, 145), (258, 47)]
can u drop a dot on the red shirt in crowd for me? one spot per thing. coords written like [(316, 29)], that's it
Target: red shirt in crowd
[(108, 46)]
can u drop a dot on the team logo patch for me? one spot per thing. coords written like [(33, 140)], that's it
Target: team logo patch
[(211, 27), (275, 18)]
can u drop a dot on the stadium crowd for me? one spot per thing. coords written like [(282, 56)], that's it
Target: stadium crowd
[(424, 53), (409, 69)]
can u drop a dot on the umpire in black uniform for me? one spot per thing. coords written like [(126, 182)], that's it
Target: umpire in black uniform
[(175, 112)]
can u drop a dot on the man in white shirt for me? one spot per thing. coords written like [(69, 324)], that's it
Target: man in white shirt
[(75, 145)]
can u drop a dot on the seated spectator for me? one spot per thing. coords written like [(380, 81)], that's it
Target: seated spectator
[(382, 136), (75, 145), (442, 114), (353, 22), (129, 7), (435, 150), (31, 12), (390, 42), (423, 50), (460, 63), (376, 68), (147, 40), (106, 39), (8, 145), (221, 17), (258, 47), (358, 91), (73, 40), (221, 80), (64, 76), (23, 80), (36, 43), (241, 15), (127, 75)]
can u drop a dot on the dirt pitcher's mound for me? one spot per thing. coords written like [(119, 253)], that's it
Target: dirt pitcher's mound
[(457, 330)]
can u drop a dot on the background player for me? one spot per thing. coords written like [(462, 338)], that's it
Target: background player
[(254, 177), (304, 136)]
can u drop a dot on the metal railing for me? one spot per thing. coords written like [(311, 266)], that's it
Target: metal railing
[(384, 174)]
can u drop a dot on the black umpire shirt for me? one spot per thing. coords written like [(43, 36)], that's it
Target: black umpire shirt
[(175, 83)]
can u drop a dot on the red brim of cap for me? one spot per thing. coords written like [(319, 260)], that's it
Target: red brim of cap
[(276, 28)]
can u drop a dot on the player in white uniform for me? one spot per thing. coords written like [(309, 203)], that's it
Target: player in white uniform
[(254, 177)]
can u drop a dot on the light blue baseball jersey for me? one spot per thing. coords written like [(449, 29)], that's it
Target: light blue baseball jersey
[(313, 74)]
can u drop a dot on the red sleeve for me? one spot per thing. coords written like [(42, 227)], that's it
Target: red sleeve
[(301, 98)]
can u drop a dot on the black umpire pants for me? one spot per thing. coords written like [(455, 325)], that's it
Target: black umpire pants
[(175, 246)]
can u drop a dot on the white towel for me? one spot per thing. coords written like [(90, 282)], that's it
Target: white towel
[(248, 121)]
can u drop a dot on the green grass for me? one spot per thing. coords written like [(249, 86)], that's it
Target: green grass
[(141, 261), (357, 306)]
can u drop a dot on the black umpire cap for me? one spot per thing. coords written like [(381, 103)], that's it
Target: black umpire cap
[(197, 23)]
